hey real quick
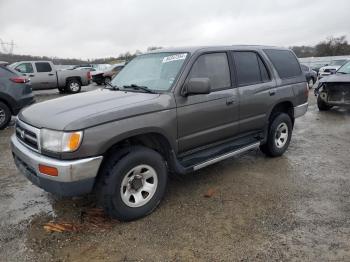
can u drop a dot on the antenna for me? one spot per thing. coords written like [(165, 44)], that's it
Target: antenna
[(6, 47)]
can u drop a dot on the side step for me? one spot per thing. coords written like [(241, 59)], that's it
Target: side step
[(225, 156), (195, 161)]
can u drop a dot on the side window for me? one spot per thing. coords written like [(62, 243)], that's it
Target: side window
[(247, 68), (213, 66), (285, 63), (43, 67), (25, 68)]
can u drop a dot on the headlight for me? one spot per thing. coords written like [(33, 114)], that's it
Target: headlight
[(57, 141)]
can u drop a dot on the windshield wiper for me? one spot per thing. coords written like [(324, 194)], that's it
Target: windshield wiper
[(112, 86), (137, 87)]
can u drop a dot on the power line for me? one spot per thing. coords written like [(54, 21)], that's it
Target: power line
[(7, 47)]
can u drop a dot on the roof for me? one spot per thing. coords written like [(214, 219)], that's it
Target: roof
[(193, 49)]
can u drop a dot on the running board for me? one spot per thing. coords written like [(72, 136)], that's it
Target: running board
[(225, 156)]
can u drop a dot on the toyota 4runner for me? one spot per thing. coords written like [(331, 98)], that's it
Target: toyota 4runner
[(172, 110)]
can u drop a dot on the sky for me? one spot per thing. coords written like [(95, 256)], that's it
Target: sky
[(90, 29)]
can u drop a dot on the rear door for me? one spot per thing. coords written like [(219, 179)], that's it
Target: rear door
[(256, 89), (208, 118), (46, 76)]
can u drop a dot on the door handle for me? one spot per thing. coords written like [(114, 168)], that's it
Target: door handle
[(272, 92), (31, 75), (230, 100), (50, 74)]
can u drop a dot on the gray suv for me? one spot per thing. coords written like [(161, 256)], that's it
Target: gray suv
[(172, 110)]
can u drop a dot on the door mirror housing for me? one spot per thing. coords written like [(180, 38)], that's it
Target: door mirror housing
[(196, 86)]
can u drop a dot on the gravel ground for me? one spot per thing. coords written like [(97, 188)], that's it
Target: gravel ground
[(292, 208)]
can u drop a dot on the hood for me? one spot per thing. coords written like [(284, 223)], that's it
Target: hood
[(76, 112), (337, 78)]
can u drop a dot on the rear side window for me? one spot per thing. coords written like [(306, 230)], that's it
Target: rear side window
[(215, 67), (250, 68), (24, 68), (285, 63), (42, 67)]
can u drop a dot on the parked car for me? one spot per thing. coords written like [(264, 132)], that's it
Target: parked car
[(316, 67), (44, 75), (331, 68), (311, 75), (107, 75), (15, 93), (171, 110), (334, 90), (3, 63)]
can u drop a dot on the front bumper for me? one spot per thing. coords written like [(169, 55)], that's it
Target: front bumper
[(75, 177), (300, 110)]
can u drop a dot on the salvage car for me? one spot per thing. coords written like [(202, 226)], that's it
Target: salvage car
[(44, 75), (15, 93), (334, 90), (106, 76), (331, 68), (172, 110)]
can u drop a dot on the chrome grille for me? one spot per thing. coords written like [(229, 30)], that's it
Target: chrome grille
[(28, 135)]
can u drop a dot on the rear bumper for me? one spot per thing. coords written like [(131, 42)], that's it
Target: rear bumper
[(300, 110), (74, 178)]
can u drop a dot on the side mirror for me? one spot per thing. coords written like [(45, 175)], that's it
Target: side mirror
[(196, 86)]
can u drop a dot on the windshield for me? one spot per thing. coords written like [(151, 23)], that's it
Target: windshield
[(155, 71), (337, 62), (345, 69)]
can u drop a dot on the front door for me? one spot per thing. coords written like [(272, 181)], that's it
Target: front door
[(27, 70), (45, 75), (208, 118)]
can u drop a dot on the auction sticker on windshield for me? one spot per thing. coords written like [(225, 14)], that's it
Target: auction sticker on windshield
[(174, 58)]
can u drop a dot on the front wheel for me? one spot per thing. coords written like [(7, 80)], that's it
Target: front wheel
[(73, 86), (279, 135), (322, 105), (132, 183)]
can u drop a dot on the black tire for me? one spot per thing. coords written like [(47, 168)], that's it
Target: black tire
[(5, 115), (113, 173), (62, 90), (107, 79), (311, 83), (270, 148), (73, 86), (322, 105)]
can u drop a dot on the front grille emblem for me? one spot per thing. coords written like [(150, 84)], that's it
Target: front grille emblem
[(22, 134)]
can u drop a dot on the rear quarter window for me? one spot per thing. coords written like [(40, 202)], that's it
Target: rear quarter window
[(43, 67), (285, 63)]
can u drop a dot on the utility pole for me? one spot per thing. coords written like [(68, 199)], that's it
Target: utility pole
[(6, 47)]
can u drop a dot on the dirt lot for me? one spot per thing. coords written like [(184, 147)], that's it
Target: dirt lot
[(296, 207)]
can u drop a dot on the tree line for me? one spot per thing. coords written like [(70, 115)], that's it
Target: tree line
[(332, 46)]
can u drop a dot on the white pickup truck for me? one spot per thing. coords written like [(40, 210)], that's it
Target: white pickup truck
[(44, 75)]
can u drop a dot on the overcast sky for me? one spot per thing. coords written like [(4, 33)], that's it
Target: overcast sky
[(103, 28)]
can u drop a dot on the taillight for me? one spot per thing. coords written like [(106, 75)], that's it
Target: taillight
[(19, 80), (89, 75)]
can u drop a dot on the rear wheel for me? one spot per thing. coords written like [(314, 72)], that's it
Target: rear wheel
[(132, 183), (322, 105), (279, 135), (5, 115), (73, 86), (311, 83), (107, 80)]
